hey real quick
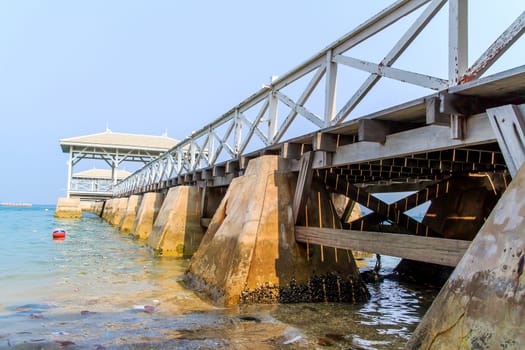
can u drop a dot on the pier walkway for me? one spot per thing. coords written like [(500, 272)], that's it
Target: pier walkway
[(454, 149)]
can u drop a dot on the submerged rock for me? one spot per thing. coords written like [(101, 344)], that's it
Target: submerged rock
[(330, 287), (422, 273)]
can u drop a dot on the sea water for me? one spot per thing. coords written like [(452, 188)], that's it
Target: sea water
[(98, 289)]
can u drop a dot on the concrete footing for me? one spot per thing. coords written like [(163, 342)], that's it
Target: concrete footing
[(482, 305), (130, 214), (249, 252), (68, 208), (177, 230), (149, 208)]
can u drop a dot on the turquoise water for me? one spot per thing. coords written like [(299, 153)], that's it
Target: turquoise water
[(98, 289)]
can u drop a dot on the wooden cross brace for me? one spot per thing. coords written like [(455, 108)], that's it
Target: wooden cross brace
[(393, 212)]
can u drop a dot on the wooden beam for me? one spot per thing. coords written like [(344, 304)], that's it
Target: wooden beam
[(324, 142), (440, 251), (304, 182), (218, 171), (291, 150), (322, 159), (423, 139), (299, 109), (375, 130), (232, 166), (207, 174), (465, 105), (422, 80), (348, 210)]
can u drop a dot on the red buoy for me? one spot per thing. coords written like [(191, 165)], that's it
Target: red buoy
[(59, 234)]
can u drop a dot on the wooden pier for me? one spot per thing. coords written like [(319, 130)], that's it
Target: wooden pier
[(270, 209)]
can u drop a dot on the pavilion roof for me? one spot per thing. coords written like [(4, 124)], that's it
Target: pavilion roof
[(115, 140), (100, 174)]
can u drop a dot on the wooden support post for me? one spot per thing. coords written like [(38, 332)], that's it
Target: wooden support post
[(441, 251), (457, 126), (374, 130), (304, 182), (508, 123), (347, 211)]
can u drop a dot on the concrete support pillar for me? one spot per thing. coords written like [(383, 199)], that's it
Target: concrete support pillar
[(96, 207), (177, 230), (130, 214), (249, 252), (68, 208), (119, 211), (146, 215), (482, 305)]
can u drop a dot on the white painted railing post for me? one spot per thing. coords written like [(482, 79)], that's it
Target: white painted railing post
[(211, 147), (272, 117), (330, 89), (238, 133), (272, 113), (69, 171), (458, 56), (193, 154), (180, 161), (458, 40)]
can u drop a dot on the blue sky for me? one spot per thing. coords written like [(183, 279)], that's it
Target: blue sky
[(71, 68)]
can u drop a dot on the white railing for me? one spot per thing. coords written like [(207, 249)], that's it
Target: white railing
[(254, 123), (92, 185)]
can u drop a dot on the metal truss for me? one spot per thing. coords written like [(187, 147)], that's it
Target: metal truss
[(253, 124)]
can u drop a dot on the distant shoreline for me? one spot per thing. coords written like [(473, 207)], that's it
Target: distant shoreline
[(16, 204)]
